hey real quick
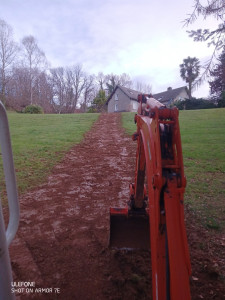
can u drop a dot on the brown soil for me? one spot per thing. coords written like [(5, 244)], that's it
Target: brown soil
[(63, 236)]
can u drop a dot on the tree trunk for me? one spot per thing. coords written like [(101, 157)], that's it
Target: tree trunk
[(189, 91)]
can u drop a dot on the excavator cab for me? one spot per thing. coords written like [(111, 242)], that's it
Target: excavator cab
[(154, 216)]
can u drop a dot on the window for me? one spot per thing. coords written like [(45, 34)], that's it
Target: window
[(116, 97), (135, 105), (106, 92), (116, 107)]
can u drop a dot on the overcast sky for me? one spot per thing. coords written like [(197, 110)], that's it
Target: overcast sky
[(143, 38)]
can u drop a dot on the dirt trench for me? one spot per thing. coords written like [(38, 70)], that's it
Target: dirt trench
[(63, 235)]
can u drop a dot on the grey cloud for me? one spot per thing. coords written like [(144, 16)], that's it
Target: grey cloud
[(109, 36)]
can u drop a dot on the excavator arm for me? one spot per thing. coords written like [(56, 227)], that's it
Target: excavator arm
[(160, 152), (159, 177)]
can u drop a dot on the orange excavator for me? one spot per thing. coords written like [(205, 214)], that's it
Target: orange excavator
[(154, 216)]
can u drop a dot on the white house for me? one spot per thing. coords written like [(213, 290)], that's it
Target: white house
[(125, 99)]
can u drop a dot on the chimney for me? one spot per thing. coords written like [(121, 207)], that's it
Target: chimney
[(169, 88)]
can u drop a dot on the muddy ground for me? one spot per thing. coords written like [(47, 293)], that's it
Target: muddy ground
[(63, 236)]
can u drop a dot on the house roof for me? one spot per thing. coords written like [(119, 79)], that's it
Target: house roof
[(132, 94), (169, 95), (163, 97)]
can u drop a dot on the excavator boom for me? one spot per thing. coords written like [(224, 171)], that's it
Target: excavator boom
[(159, 165)]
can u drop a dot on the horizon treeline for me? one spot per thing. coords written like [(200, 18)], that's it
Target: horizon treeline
[(27, 78)]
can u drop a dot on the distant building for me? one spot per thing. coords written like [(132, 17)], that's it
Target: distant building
[(172, 95), (125, 99), (122, 99)]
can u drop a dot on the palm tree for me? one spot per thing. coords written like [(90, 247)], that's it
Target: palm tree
[(189, 71)]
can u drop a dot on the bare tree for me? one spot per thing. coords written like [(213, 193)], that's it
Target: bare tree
[(75, 76), (34, 59), (57, 83), (8, 51), (67, 85), (108, 82), (17, 88), (89, 91), (101, 80), (43, 92), (125, 80), (142, 87), (18, 96), (112, 80)]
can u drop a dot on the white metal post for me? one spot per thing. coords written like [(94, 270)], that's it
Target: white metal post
[(7, 236)]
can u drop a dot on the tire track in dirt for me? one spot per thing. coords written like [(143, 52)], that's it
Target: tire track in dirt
[(64, 228)]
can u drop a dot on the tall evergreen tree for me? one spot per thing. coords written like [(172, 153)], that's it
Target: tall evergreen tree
[(217, 85), (99, 102), (215, 36), (189, 71)]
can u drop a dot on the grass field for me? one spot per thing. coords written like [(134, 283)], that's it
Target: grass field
[(39, 142), (203, 142)]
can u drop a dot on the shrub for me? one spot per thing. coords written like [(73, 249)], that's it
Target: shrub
[(194, 104), (221, 101), (33, 109)]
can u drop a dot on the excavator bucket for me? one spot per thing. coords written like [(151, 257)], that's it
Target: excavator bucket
[(129, 230)]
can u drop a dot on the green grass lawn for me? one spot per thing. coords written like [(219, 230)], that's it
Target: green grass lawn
[(40, 141), (203, 142)]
